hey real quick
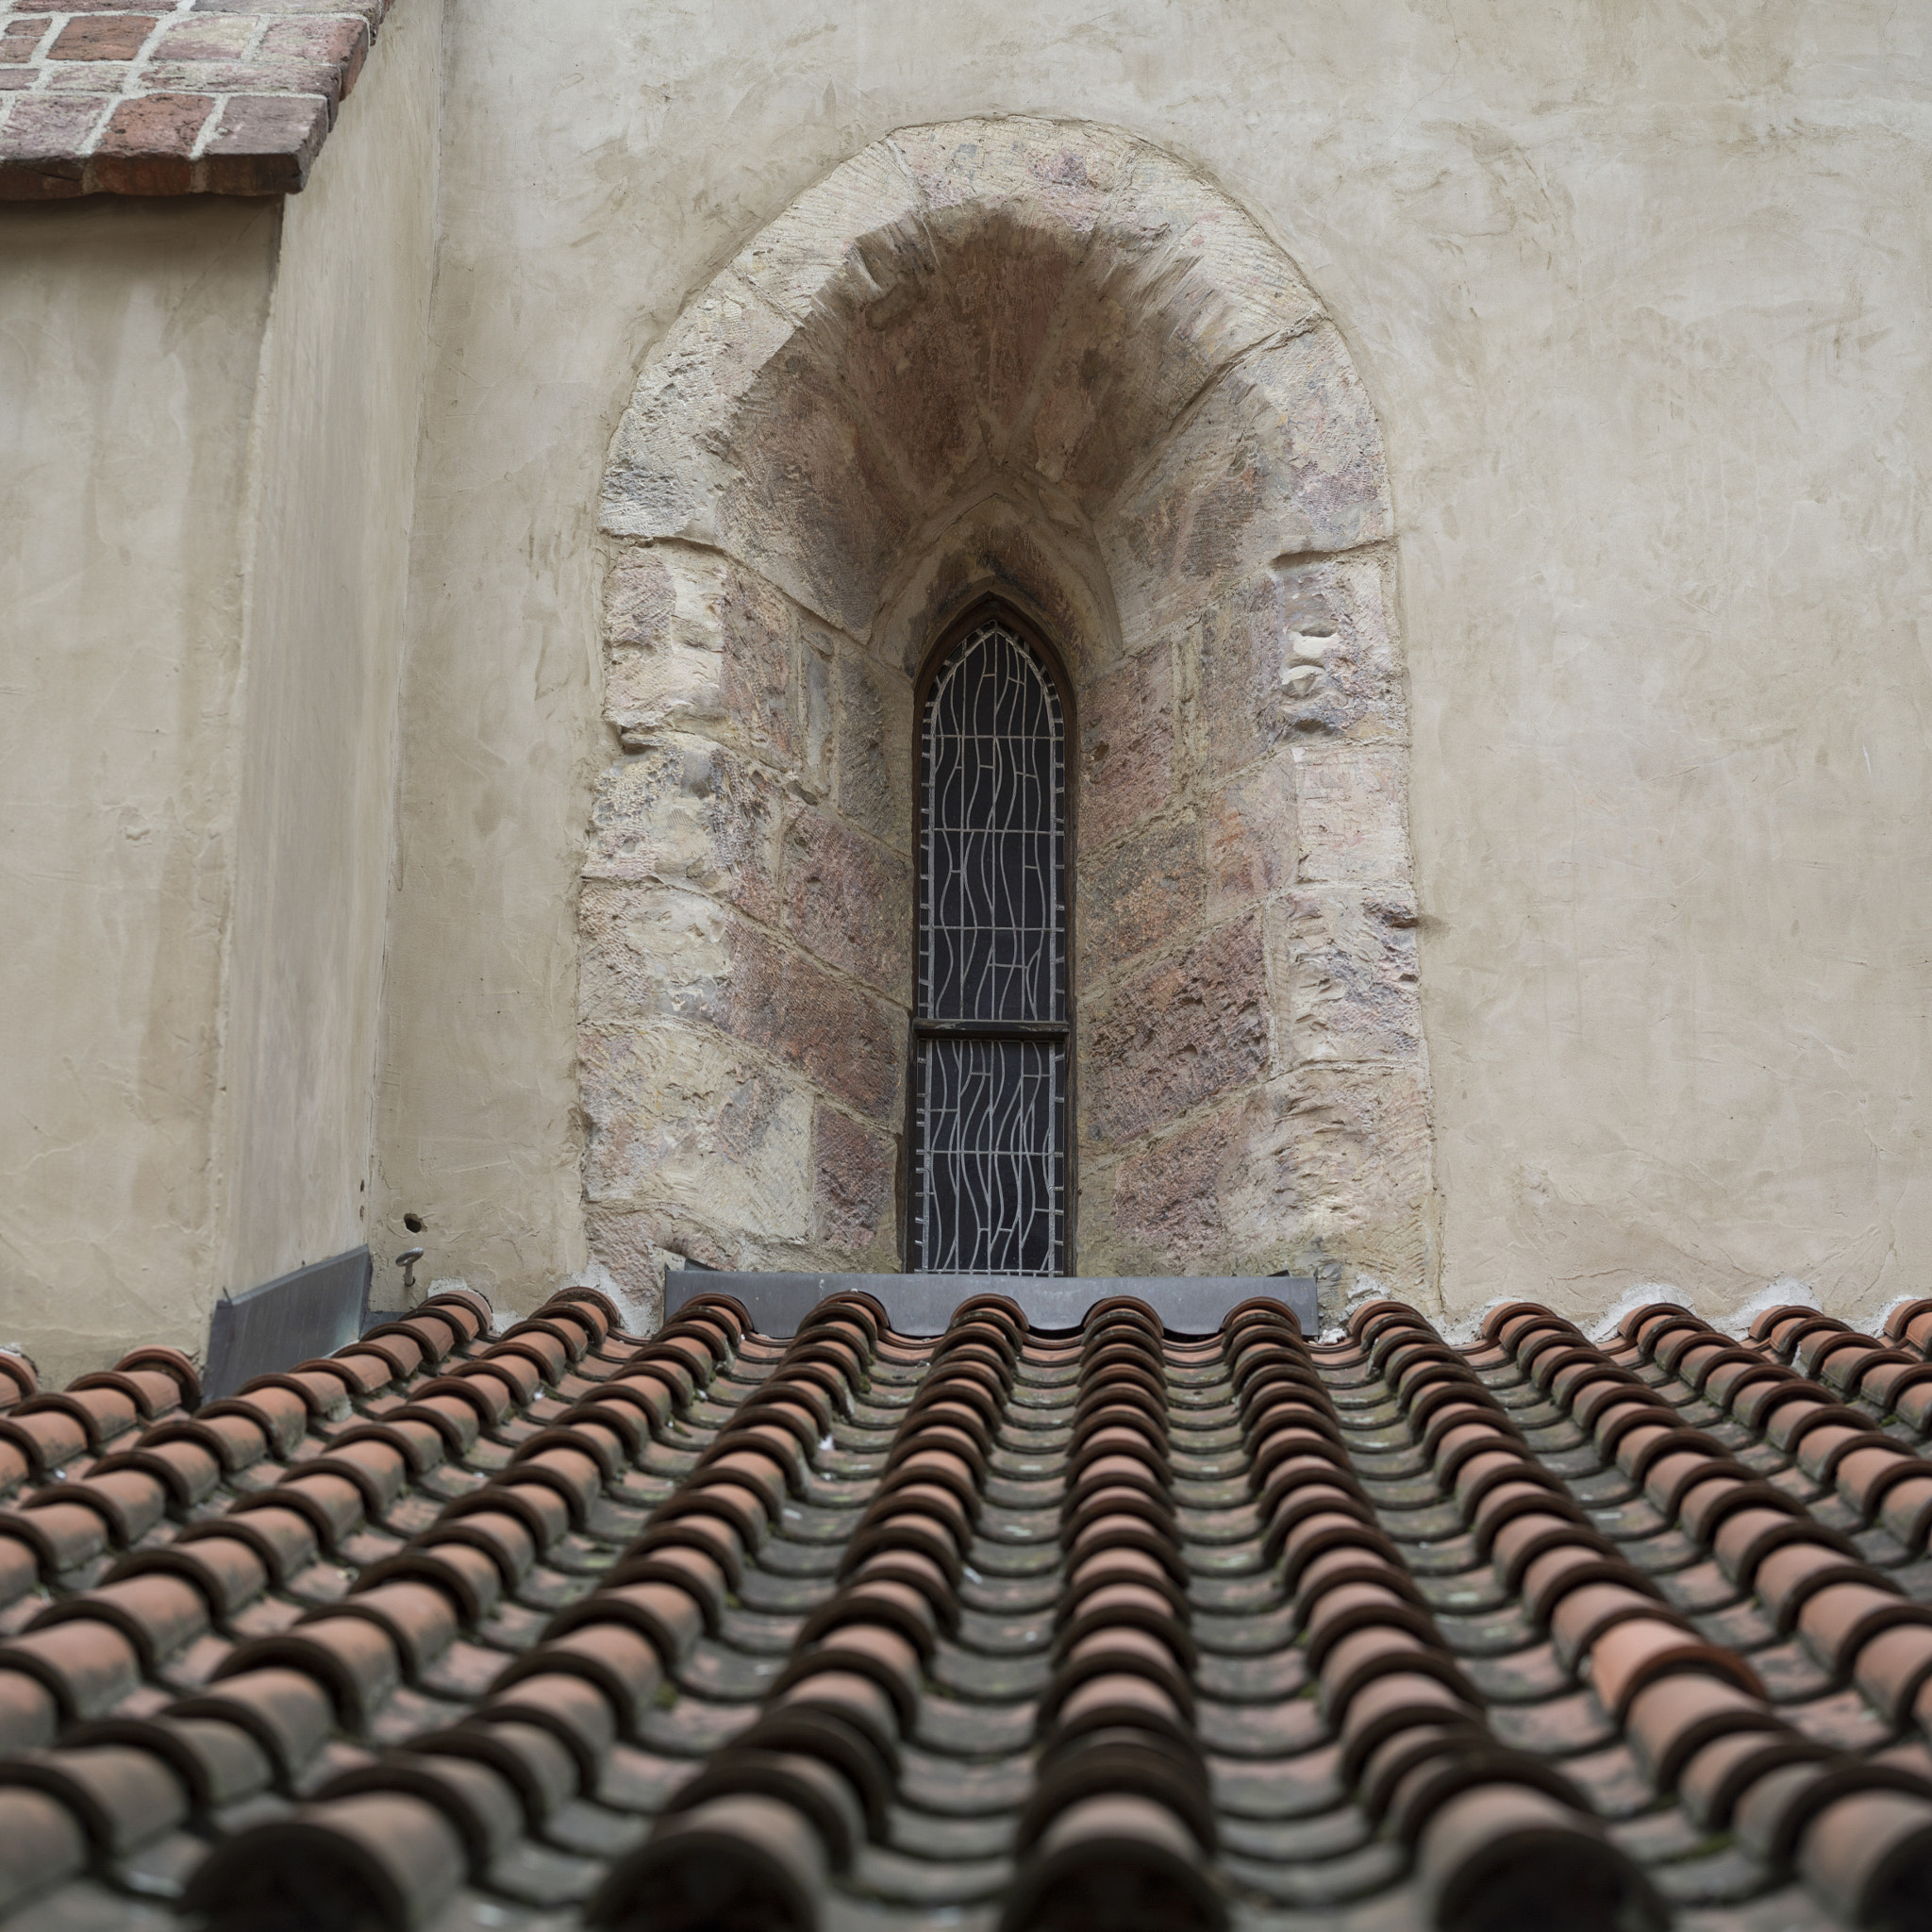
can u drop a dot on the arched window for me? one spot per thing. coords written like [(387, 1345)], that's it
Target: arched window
[(991, 1044)]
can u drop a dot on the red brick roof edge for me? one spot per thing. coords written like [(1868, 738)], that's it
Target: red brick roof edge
[(174, 97)]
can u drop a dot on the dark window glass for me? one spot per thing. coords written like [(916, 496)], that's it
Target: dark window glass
[(989, 1066)]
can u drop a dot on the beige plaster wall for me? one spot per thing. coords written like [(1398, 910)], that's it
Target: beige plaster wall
[(129, 340), (1638, 291), (336, 426), (207, 428)]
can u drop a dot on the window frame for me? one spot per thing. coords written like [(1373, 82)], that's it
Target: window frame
[(947, 638)]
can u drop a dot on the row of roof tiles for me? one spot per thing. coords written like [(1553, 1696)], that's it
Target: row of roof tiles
[(1046, 1630)]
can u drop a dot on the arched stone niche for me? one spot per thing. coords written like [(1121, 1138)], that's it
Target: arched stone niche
[(1046, 363)]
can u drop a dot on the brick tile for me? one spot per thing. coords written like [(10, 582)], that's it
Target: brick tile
[(87, 76), (145, 148), (265, 145), (373, 11), (19, 38), (12, 77), (104, 37), (196, 37), (342, 44), (41, 144), (246, 77)]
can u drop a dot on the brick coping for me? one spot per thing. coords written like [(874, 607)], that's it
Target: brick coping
[(174, 97)]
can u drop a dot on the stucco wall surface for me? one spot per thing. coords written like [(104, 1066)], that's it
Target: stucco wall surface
[(129, 343), (1637, 291), (208, 430), (335, 426)]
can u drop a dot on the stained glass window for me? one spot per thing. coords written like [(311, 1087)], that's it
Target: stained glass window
[(990, 1029)]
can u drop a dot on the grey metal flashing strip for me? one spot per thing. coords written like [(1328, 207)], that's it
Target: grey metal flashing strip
[(924, 1304), (312, 1311)]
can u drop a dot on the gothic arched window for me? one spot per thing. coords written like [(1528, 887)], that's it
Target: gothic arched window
[(990, 1052)]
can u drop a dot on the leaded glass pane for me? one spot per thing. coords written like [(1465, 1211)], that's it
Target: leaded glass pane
[(989, 1166), (990, 1127), (992, 940)]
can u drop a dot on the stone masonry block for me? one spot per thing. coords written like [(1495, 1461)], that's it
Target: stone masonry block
[(1176, 1036), (1336, 668), (698, 644), (874, 748), (1166, 1201), (681, 1118), (757, 681), (689, 812), (1283, 457), (1147, 890), (1351, 814), (1248, 836), (649, 952), (1327, 1165), (849, 1045), (1126, 745), (1173, 286), (1348, 959), (626, 1242), (849, 900), (852, 1186), (1357, 1140), (808, 500)]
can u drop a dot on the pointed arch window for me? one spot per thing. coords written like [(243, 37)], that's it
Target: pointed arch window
[(991, 1046)]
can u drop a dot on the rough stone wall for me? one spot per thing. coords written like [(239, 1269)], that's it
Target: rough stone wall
[(746, 922), (1253, 1079), (1047, 363)]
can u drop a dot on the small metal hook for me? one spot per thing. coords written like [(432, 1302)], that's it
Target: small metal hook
[(407, 1262)]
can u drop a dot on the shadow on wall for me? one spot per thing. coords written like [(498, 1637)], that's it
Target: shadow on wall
[(1047, 363)]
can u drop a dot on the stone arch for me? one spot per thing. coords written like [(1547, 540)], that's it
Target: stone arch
[(1050, 361)]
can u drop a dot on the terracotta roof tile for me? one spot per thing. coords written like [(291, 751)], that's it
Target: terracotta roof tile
[(864, 1629)]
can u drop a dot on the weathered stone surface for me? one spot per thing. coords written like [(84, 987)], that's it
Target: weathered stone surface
[(1174, 285), (1358, 1144), (1167, 1205), (756, 681), (651, 953), (1206, 474), (699, 644), (1349, 961), (667, 461), (1126, 745), (852, 1186), (1176, 1036), (688, 810), (841, 245), (681, 1117), (875, 739), (1141, 891), (626, 1241), (1282, 457), (851, 1046), (1248, 836), (1352, 815), (1322, 1168), (806, 498), (1337, 667), (640, 594), (850, 901)]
